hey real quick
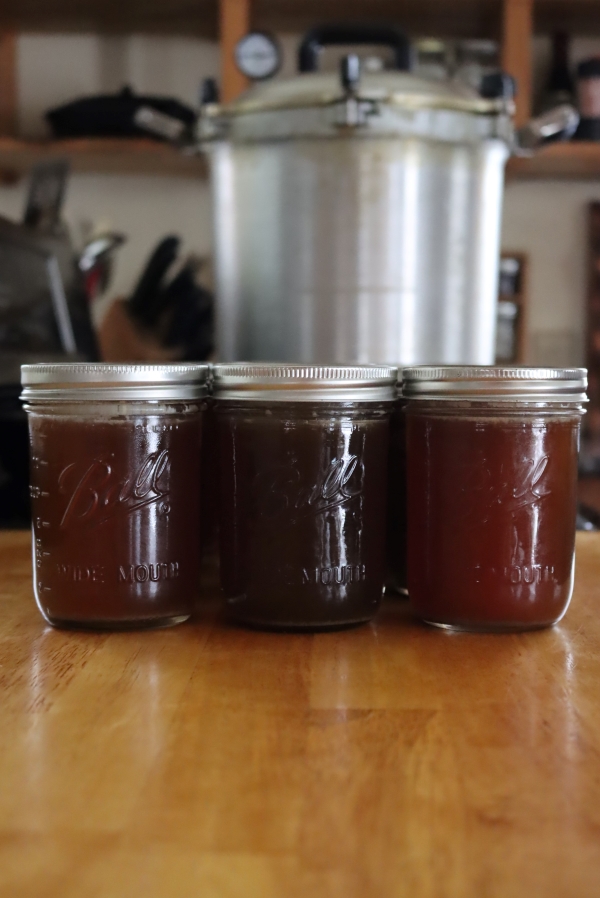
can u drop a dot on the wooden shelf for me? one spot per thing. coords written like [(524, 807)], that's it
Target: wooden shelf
[(512, 21), (151, 16), (575, 160), (102, 155), (460, 18), (444, 18)]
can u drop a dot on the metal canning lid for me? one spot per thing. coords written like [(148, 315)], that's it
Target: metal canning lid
[(261, 382), (85, 382), (502, 383)]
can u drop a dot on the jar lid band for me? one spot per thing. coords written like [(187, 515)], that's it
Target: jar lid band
[(83, 382), (516, 383), (279, 382)]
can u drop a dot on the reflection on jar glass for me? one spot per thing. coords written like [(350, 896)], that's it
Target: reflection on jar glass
[(115, 470), (303, 467), (492, 489)]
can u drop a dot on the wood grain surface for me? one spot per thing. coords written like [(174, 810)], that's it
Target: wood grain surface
[(388, 760), (109, 155)]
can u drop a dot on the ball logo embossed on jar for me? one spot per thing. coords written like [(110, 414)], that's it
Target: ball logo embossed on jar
[(529, 491), (281, 493), (97, 492), (532, 488)]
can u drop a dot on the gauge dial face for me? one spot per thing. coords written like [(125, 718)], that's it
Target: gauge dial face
[(257, 55)]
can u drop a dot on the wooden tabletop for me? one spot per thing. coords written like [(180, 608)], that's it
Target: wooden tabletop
[(389, 760)]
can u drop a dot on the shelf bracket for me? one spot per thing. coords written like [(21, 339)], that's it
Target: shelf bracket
[(517, 26), (234, 23)]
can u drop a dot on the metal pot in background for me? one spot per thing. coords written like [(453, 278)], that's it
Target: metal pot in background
[(358, 219)]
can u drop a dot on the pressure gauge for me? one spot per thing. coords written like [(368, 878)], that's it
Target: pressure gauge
[(257, 55)]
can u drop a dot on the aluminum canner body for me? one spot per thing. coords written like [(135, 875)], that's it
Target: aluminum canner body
[(360, 242)]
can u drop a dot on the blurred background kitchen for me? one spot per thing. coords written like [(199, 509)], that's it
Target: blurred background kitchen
[(105, 230)]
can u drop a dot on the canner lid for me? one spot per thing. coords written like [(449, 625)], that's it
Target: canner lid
[(397, 88), (381, 104)]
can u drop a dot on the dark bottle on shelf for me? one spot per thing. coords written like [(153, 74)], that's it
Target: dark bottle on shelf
[(559, 86), (588, 99)]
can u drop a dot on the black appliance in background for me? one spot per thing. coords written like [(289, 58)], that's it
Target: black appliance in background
[(559, 87), (44, 316)]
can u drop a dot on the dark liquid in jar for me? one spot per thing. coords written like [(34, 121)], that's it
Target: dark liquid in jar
[(395, 581), (115, 518), (491, 519), (302, 514)]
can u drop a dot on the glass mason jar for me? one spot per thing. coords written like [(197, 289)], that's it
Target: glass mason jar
[(492, 494), (303, 488), (115, 471)]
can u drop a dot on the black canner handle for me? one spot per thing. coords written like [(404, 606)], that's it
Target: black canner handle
[(348, 33)]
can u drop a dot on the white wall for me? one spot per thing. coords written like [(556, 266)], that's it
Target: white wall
[(547, 220), (55, 69), (544, 219)]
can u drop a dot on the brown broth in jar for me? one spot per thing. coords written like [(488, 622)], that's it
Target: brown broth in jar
[(491, 516), (115, 518), (302, 511)]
